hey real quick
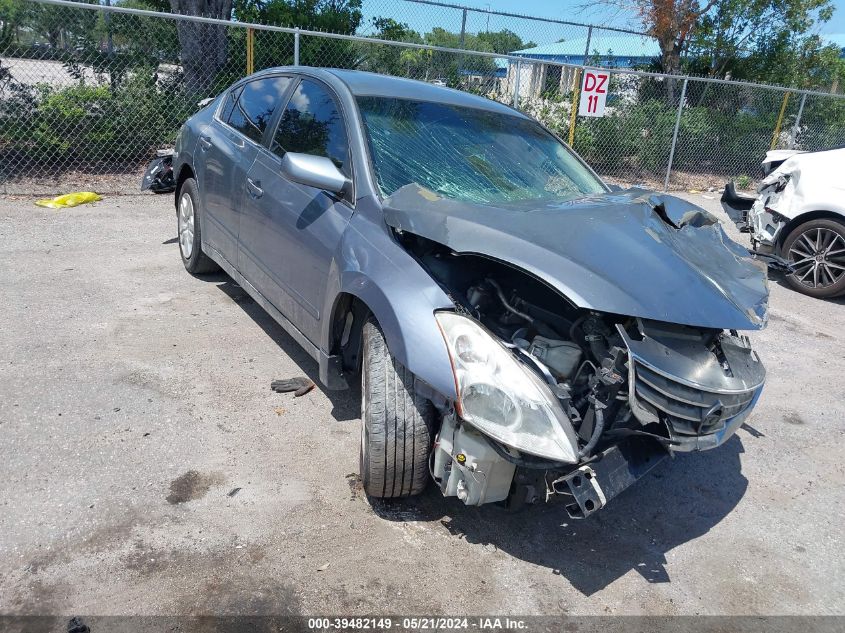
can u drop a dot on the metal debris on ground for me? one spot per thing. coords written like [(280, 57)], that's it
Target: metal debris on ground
[(300, 385), (69, 200), (159, 175), (76, 625)]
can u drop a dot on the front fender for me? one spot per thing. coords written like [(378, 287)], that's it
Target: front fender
[(371, 266)]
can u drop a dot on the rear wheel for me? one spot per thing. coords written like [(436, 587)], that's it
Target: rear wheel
[(397, 425), (188, 223), (817, 250)]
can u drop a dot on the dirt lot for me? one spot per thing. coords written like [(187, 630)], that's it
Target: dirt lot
[(149, 469)]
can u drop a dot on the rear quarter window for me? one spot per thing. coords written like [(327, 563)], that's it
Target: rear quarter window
[(253, 108)]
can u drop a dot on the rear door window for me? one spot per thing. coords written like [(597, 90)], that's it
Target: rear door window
[(229, 103), (253, 108), (312, 124)]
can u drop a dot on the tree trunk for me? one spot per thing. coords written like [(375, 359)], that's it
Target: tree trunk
[(204, 46), (670, 60)]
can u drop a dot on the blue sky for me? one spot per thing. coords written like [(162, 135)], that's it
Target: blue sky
[(572, 10), (422, 17)]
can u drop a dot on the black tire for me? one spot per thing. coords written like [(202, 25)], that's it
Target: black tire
[(196, 262), (397, 425), (827, 279)]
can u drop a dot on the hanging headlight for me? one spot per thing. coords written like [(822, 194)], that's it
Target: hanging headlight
[(501, 397)]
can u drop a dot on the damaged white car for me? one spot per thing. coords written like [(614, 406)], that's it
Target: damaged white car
[(799, 215)]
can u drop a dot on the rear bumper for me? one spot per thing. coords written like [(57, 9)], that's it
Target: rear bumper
[(764, 228), (737, 206)]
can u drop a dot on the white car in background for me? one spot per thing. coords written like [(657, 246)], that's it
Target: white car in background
[(799, 215)]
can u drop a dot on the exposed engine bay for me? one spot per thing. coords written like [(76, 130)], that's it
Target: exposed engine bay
[(630, 389)]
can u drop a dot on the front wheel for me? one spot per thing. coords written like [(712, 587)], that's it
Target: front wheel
[(817, 250), (188, 223), (397, 425)]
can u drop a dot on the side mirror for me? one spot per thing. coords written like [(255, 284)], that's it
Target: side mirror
[(313, 171)]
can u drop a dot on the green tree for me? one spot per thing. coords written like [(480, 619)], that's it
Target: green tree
[(62, 27), (334, 16), (13, 14), (504, 41), (451, 65), (151, 36), (391, 60), (762, 40)]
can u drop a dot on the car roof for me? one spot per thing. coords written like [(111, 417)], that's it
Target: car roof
[(368, 84)]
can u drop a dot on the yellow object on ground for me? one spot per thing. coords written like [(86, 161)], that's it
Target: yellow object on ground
[(69, 200)]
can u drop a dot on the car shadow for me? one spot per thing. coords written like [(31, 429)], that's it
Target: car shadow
[(682, 499), (346, 405)]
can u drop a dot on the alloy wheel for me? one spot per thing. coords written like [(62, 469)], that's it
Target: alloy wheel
[(819, 257), (186, 225)]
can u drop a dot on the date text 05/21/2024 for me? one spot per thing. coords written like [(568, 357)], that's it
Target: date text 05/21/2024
[(415, 623)]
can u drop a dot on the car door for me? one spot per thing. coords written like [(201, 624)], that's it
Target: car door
[(228, 147), (290, 231)]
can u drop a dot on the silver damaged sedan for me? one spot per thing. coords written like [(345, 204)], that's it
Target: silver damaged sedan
[(520, 330)]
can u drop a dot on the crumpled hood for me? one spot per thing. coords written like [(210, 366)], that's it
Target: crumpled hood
[(634, 253)]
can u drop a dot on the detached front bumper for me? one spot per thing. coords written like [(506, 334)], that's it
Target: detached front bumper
[(467, 466), (591, 486)]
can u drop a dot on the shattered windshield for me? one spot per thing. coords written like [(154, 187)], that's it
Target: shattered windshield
[(469, 154)]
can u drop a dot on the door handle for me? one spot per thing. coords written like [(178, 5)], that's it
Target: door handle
[(254, 188), (205, 143)]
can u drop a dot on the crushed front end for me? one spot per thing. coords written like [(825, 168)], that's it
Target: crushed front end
[(560, 403)]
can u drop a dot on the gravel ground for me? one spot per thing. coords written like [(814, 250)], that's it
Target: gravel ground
[(149, 469)]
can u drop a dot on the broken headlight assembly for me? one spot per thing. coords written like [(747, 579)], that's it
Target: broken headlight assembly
[(501, 397)]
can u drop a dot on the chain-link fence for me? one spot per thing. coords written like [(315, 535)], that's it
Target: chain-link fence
[(495, 31), (88, 94)]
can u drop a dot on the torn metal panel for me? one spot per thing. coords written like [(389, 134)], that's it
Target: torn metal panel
[(635, 253), (776, 157)]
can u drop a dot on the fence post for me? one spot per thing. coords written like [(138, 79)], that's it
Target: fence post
[(576, 87), (780, 121), (797, 121), (675, 135), (516, 84), (296, 47), (461, 42), (589, 38), (250, 51), (110, 40)]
